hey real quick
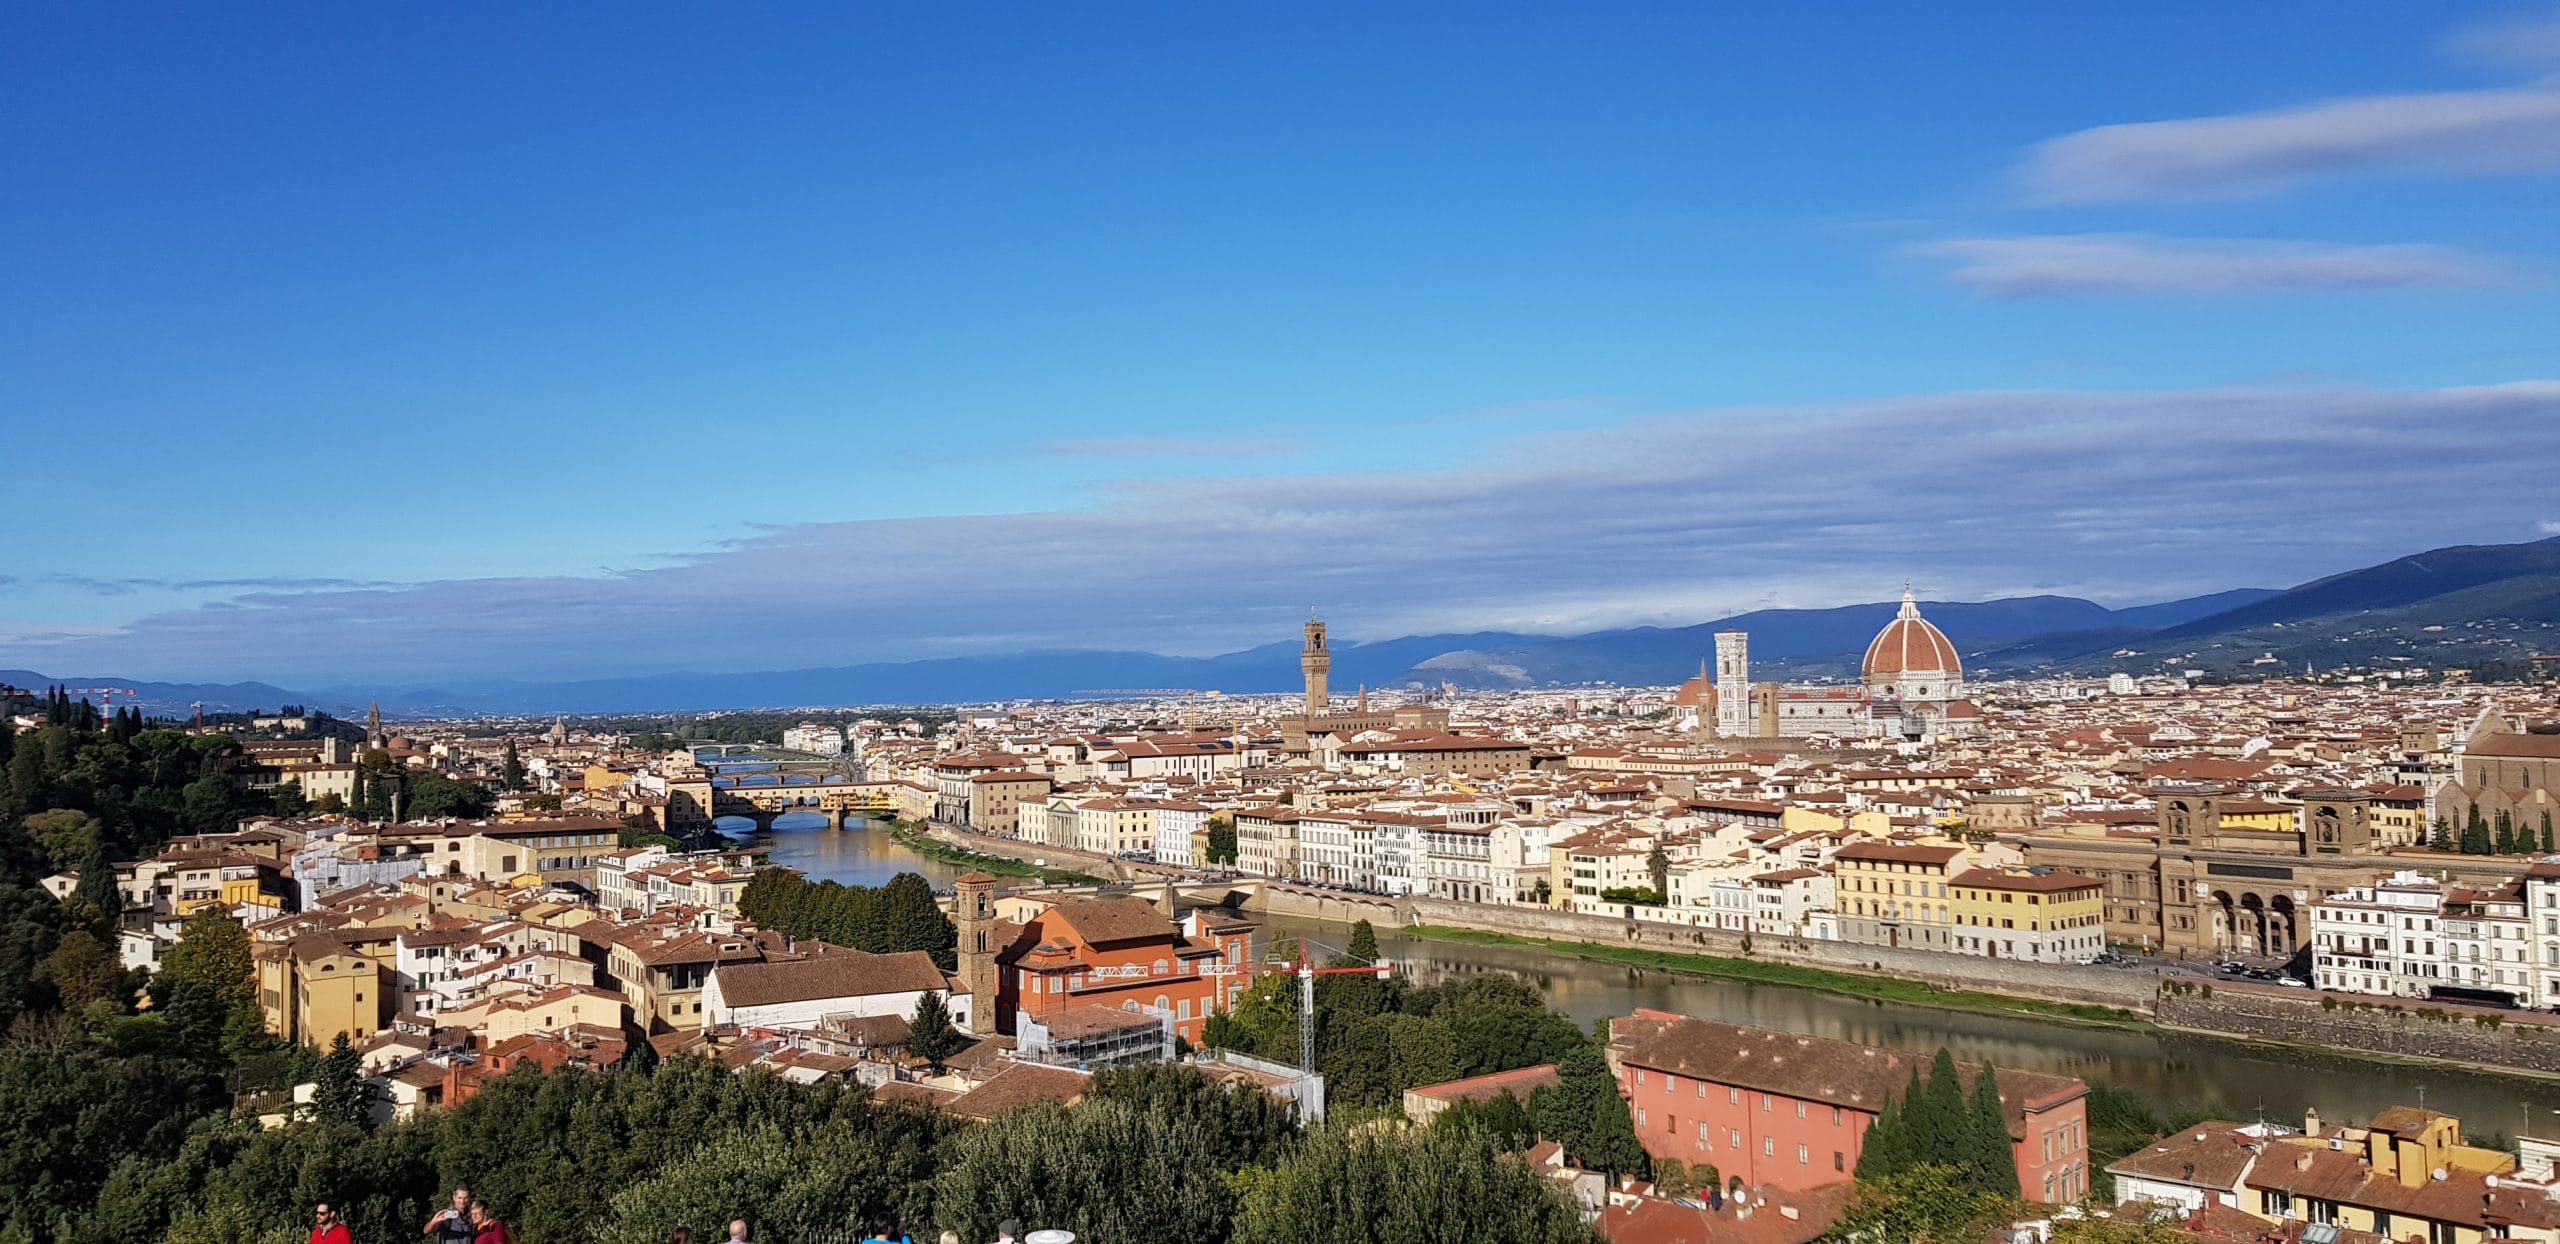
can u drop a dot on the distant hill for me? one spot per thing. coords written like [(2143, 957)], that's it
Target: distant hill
[(177, 699), (2469, 605), (2472, 605)]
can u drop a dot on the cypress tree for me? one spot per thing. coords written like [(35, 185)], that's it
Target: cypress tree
[(2475, 834), (2506, 835), (1938, 1128), (1989, 1158), (2547, 845), (1886, 1149), (2444, 840)]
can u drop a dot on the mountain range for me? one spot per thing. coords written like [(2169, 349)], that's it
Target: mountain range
[(2466, 605)]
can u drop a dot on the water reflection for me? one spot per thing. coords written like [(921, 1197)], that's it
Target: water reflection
[(854, 856), (2170, 1069)]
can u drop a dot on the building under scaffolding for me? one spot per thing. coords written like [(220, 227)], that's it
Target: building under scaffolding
[(1093, 1035)]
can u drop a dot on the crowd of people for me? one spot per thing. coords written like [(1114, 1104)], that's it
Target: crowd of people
[(470, 1221)]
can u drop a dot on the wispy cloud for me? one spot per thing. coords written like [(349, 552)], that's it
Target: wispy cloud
[(1172, 447), (2119, 263), (271, 583), (2529, 42), (1673, 518), (2548, 526), (2505, 130)]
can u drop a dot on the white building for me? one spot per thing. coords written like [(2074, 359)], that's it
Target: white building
[(2383, 938), (1176, 821), (809, 736), (798, 993)]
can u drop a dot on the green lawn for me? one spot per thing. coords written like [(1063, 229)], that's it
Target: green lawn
[(922, 843), (1884, 988)]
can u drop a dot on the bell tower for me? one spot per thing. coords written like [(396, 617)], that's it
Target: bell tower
[(1316, 661), (1733, 685), (973, 910)]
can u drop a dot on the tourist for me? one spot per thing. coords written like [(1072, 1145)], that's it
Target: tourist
[(737, 1231), (885, 1231), (325, 1227), (1008, 1232), (682, 1235), (485, 1227), (452, 1225), (949, 1237)]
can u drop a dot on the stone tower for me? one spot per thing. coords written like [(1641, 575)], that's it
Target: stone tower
[(1733, 685), (2190, 814), (2337, 822), (973, 912), (1317, 662)]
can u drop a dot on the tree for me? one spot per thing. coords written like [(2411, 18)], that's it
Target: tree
[(1250, 1125), (340, 1095), (82, 970), (803, 1182), (1657, 865), (1501, 1117), (1584, 1113), (1390, 1185), (2548, 846), (212, 953), (910, 919), (1222, 840), (930, 1034), (2444, 839), (428, 794), (2475, 834), (1927, 1204), (2504, 842), (1106, 1170), (1989, 1157), (512, 771), (1886, 1148), (1937, 1117)]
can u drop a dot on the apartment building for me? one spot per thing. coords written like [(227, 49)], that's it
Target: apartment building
[(2037, 914), (1896, 894)]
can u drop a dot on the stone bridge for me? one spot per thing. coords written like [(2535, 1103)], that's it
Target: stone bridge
[(839, 800)]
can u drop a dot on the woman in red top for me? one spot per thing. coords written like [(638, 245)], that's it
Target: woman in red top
[(485, 1227)]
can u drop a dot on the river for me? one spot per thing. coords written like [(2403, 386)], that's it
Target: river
[(2171, 1070), (858, 856)]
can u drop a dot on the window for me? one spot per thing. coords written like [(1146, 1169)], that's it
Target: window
[(1804, 1155), (1733, 1137), (1733, 1096), (1839, 1160), (2274, 1204), (1766, 1101), (1768, 1146)]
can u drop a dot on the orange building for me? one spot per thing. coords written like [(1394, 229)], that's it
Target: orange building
[(1792, 1111), (1101, 952)]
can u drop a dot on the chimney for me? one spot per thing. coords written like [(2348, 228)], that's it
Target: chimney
[(2311, 1122), (2303, 1163)]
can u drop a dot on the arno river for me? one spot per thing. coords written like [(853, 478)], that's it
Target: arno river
[(2170, 1069)]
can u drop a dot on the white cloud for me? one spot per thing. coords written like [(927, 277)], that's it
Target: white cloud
[(1674, 518), (2103, 263), (2505, 130), (2548, 526)]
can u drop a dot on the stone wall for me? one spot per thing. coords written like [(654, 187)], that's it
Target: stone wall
[(2523, 1040)]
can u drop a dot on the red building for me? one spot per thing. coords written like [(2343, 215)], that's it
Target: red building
[(1791, 1111), (1103, 952)]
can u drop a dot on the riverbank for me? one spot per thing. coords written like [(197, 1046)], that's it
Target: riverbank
[(923, 843), (1798, 976)]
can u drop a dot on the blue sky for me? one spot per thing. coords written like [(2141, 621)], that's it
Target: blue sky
[(346, 344)]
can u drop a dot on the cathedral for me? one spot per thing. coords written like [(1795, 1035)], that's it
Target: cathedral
[(1910, 687)]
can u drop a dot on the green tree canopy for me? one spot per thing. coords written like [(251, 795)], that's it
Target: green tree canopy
[(1396, 1185)]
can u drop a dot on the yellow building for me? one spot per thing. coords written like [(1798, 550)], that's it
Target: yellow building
[(318, 986), (2041, 915), (2406, 1175), (1893, 894)]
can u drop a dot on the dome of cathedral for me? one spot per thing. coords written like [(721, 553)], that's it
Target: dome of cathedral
[(1910, 645), (1698, 692)]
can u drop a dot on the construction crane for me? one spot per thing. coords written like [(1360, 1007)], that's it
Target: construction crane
[(106, 696), (1305, 969)]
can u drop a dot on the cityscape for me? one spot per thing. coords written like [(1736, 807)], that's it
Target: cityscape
[(1255, 650)]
